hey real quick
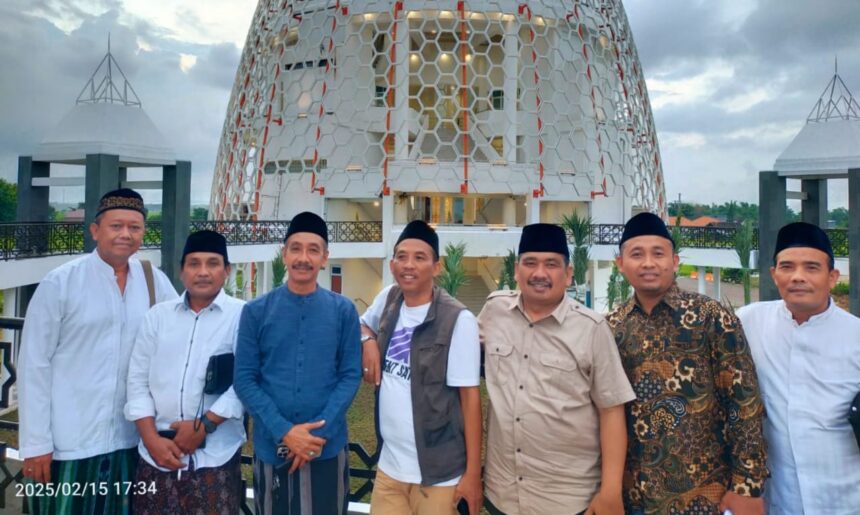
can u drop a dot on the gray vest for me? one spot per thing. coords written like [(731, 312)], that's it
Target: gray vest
[(436, 412)]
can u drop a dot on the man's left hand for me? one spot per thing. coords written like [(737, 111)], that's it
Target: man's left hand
[(742, 505), (606, 504), (187, 439), (471, 489)]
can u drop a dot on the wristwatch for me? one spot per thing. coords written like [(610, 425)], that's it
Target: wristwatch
[(365, 337), (208, 426)]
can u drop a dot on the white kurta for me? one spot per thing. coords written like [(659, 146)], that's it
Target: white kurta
[(167, 373), (73, 362), (808, 375)]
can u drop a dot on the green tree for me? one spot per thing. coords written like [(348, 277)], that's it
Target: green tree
[(839, 217), (153, 216), (618, 290), (743, 246), (200, 213), (8, 201), (453, 274)]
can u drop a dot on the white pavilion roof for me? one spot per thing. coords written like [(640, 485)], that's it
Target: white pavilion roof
[(829, 144), (107, 119)]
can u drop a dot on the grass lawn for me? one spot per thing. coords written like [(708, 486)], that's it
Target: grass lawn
[(359, 418)]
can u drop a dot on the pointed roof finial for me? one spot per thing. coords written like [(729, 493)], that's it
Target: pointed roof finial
[(836, 101), (103, 89)]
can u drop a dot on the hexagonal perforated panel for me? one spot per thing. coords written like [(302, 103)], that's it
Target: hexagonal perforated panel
[(358, 99)]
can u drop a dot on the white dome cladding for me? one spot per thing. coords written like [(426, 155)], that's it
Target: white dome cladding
[(358, 100)]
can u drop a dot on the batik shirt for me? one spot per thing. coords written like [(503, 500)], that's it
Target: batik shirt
[(695, 428)]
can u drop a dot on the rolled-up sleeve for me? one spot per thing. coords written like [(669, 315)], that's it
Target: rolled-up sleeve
[(39, 341), (139, 403), (228, 404)]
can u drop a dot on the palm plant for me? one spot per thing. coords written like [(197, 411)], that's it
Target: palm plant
[(579, 227), (743, 246), (279, 270), (453, 274), (506, 277)]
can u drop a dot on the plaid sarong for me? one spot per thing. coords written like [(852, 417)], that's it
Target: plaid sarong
[(99, 485)]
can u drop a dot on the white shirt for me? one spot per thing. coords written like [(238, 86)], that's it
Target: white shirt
[(808, 376), (167, 373), (73, 362), (399, 457)]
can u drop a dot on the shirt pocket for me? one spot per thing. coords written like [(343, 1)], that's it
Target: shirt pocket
[(434, 362), (498, 366), (559, 378)]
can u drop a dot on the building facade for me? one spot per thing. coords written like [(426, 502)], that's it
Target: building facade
[(476, 116)]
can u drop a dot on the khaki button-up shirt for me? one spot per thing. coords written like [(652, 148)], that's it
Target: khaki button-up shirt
[(546, 382)]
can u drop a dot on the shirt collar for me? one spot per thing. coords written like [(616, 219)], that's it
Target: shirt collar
[(786, 314), (560, 311), (182, 302), (103, 267), (672, 299)]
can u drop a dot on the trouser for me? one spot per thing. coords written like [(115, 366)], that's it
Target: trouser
[(393, 497)]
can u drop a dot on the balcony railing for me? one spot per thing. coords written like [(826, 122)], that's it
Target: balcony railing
[(20, 240)]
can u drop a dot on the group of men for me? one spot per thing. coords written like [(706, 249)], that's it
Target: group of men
[(135, 396)]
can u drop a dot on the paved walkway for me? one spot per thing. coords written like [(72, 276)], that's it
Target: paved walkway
[(732, 294)]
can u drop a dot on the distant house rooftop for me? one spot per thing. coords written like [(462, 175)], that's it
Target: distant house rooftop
[(702, 221)]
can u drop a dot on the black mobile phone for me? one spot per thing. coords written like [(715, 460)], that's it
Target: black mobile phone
[(463, 507)]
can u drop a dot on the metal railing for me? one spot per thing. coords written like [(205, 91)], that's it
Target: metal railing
[(21, 240), (364, 472)]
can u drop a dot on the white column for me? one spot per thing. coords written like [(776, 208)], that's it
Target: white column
[(532, 209), (702, 283), (509, 212), (717, 286), (10, 301), (399, 115), (511, 66), (470, 209), (387, 236)]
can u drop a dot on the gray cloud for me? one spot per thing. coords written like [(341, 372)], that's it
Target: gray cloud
[(45, 69), (782, 47)]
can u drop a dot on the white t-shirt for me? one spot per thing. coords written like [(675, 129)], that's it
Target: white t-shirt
[(399, 457)]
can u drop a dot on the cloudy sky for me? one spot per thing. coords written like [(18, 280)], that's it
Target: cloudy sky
[(731, 81)]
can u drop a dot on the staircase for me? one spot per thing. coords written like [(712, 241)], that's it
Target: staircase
[(473, 294)]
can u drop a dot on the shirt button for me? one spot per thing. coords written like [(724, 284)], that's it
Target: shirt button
[(521, 387), (518, 419), (518, 450), (531, 325), (520, 478), (525, 356)]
